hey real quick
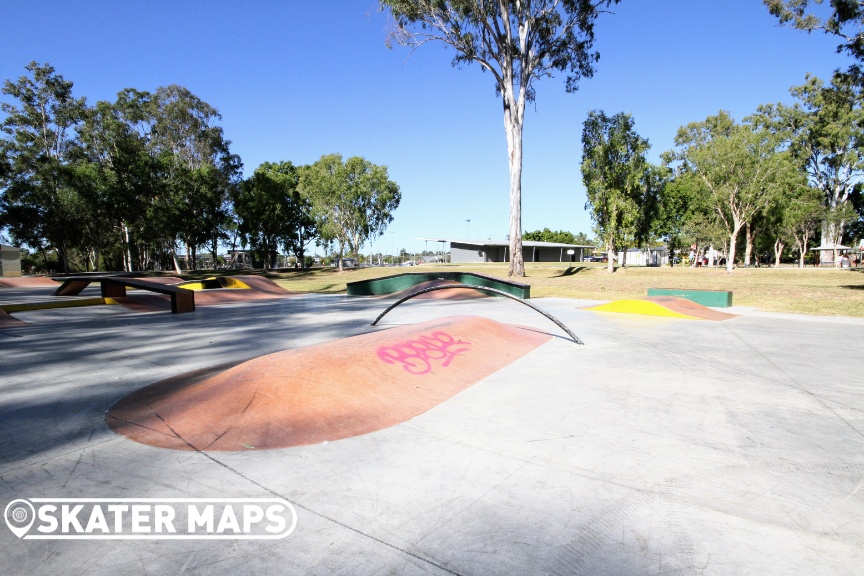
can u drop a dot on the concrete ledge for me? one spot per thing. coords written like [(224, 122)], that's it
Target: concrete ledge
[(182, 300), (716, 298)]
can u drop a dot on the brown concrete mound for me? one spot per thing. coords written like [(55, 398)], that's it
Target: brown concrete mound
[(454, 294), (325, 392), (7, 321), (690, 308), (263, 285), (27, 282)]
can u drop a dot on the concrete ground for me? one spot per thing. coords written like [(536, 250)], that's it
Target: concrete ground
[(662, 446)]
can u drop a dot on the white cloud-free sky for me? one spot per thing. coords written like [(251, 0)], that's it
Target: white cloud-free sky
[(296, 79)]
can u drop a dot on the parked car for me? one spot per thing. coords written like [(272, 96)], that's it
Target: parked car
[(599, 257)]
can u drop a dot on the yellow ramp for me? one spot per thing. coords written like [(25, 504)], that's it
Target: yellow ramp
[(643, 307)]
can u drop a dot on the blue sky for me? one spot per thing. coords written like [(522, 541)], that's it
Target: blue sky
[(296, 79)]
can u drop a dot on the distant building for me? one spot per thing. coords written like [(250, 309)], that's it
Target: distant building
[(654, 256), (10, 261), (470, 251)]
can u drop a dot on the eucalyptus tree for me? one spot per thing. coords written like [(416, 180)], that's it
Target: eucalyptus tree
[(272, 212), (198, 168), (845, 20), (119, 176), (738, 168), (825, 132), (352, 201), (614, 171), (39, 202), (801, 216), (518, 42)]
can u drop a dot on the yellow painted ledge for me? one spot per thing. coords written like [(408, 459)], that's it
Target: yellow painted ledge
[(213, 282), (643, 307)]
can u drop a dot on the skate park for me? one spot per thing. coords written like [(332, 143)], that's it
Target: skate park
[(663, 444)]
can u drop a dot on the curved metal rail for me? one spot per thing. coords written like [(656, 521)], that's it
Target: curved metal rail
[(484, 289)]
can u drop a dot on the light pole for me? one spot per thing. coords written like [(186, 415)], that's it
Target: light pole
[(469, 228)]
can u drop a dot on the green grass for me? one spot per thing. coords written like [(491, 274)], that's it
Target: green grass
[(820, 291)]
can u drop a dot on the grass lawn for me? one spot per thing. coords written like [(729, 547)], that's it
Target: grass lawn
[(822, 291)]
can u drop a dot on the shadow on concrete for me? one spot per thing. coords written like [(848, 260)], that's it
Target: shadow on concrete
[(65, 406)]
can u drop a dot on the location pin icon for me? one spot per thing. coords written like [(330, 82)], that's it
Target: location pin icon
[(19, 515)]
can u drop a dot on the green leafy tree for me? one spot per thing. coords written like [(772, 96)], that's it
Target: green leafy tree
[(517, 42), (614, 171), (352, 201), (197, 166), (118, 174), (39, 202), (825, 133), (546, 235), (801, 216), (737, 168), (846, 21), (271, 211)]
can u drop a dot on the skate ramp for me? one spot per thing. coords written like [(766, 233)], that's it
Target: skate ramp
[(325, 392), (455, 294), (7, 321), (668, 306), (27, 282)]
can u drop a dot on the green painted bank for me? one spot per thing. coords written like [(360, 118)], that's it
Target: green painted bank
[(715, 298), (399, 282)]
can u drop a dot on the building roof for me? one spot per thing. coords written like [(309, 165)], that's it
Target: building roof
[(525, 243)]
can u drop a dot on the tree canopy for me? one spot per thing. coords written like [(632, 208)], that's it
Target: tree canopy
[(40, 204), (737, 168), (845, 20), (269, 209), (352, 201), (616, 177), (824, 131)]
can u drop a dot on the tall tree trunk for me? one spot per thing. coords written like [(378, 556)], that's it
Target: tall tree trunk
[(750, 235), (778, 251), (802, 248), (174, 260), (128, 250), (513, 116), (300, 252), (610, 256), (730, 258), (64, 257)]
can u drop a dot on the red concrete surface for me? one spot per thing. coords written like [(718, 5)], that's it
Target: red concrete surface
[(27, 282), (263, 285), (452, 294), (325, 392), (690, 308)]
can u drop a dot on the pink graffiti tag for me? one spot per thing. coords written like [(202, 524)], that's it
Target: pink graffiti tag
[(416, 355)]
